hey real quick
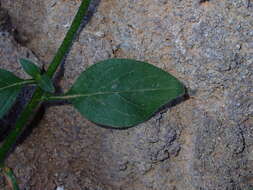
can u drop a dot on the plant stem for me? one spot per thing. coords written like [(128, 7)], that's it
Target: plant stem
[(66, 44), (35, 101), (27, 113)]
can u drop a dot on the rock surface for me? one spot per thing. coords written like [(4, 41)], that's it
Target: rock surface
[(203, 143)]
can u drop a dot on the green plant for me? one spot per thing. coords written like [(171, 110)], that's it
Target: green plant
[(119, 93)]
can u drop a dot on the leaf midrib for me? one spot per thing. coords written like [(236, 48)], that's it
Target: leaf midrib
[(74, 96), (21, 83)]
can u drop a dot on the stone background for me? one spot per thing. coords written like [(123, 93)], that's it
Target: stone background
[(203, 143)]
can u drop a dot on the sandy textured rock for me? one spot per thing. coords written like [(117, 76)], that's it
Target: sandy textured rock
[(203, 143)]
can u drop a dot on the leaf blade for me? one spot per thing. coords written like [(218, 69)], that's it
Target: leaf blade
[(122, 92), (30, 68), (10, 87)]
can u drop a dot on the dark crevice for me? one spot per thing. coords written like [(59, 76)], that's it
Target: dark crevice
[(203, 1), (9, 120)]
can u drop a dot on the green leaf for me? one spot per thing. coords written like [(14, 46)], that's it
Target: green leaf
[(45, 83), (122, 92), (10, 86), (30, 68)]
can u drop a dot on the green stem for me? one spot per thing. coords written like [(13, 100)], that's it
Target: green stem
[(35, 101), (66, 44), (27, 113)]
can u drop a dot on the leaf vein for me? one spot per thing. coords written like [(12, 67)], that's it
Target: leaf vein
[(110, 92), (16, 84), (130, 102)]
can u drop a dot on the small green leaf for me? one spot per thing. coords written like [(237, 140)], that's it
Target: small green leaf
[(122, 92), (10, 86), (45, 83), (30, 68)]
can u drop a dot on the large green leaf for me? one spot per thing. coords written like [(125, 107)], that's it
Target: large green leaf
[(122, 92), (10, 86)]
